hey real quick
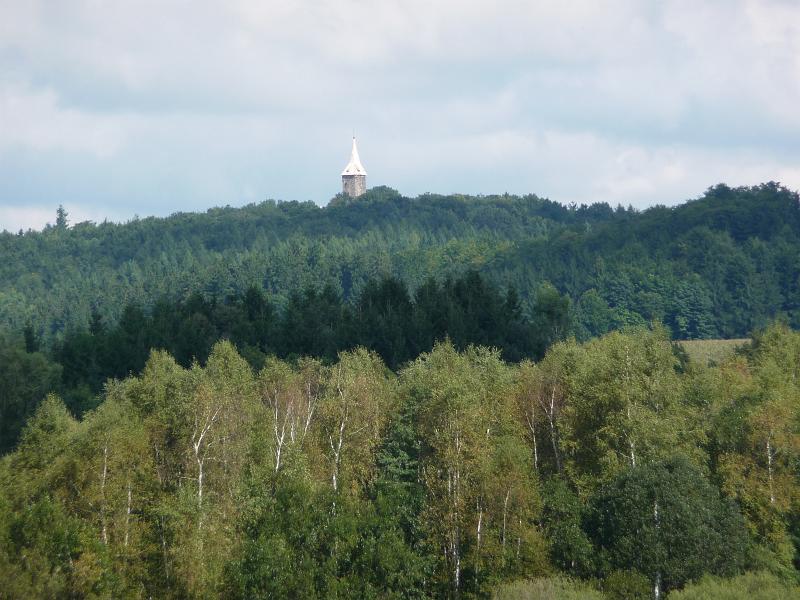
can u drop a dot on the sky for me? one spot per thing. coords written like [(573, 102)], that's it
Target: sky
[(124, 109)]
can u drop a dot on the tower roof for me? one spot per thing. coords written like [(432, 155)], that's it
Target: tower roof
[(354, 167)]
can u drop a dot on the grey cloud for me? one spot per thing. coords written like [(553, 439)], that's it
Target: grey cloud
[(163, 106)]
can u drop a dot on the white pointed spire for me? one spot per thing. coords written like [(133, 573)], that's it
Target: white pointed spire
[(354, 167)]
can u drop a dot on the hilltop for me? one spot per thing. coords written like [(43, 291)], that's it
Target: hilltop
[(453, 435), (717, 266)]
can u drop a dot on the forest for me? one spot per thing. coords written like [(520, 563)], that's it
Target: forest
[(385, 318), (715, 267), (445, 396), (612, 468)]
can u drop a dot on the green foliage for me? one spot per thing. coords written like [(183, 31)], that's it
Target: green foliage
[(45, 435), (482, 499), (625, 407), (667, 522), (384, 318), (756, 436), (717, 266), (295, 545), (61, 558), (551, 317), (627, 585), (25, 378), (551, 588), (570, 548), (459, 475), (711, 352), (289, 401), (61, 218), (750, 586)]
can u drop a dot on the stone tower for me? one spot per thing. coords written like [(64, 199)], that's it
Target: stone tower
[(354, 176)]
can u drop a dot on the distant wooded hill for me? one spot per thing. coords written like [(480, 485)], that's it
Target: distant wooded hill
[(717, 266)]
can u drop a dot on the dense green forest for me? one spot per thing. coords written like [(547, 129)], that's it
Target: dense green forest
[(613, 466), (717, 266), (384, 318), (414, 398)]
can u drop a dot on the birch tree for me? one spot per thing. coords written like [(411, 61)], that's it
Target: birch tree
[(668, 522), (291, 398), (160, 397), (355, 407), (477, 470), (116, 452), (757, 431), (542, 393), (528, 406), (624, 407), (207, 413)]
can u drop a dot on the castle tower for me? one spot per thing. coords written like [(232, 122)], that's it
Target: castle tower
[(354, 176)]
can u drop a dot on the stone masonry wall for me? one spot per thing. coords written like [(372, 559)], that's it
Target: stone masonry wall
[(354, 185)]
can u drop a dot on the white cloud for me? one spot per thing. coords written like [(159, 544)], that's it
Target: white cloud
[(152, 107), (580, 167), (33, 120), (15, 218)]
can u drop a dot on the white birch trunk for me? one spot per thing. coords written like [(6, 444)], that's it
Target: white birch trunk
[(531, 418), (200, 463), (337, 454), (627, 376), (478, 541), (336, 447), (128, 514), (164, 552), (480, 524), (103, 475), (457, 571), (280, 432), (457, 529), (631, 445), (769, 470), (200, 445), (310, 407), (657, 582), (553, 434), (505, 515)]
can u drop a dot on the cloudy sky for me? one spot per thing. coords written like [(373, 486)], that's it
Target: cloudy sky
[(117, 109)]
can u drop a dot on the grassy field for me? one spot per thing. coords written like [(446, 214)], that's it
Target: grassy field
[(553, 588), (711, 351)]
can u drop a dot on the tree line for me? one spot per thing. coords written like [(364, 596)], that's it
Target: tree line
[(717, 266), (386, 317), (615, 462)]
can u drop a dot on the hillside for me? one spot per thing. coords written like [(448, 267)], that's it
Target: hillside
[(717, 266), (390, 398), (459, 473)]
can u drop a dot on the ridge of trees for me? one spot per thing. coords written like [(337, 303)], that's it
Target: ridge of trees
[(610, 462), (444, 396), (718, 266), (385, 318)]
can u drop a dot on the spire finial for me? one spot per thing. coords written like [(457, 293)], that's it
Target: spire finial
[(354, 167), (354, 176)]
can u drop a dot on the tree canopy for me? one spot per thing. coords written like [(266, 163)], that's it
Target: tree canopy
[(717, 266), (457, 475)]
